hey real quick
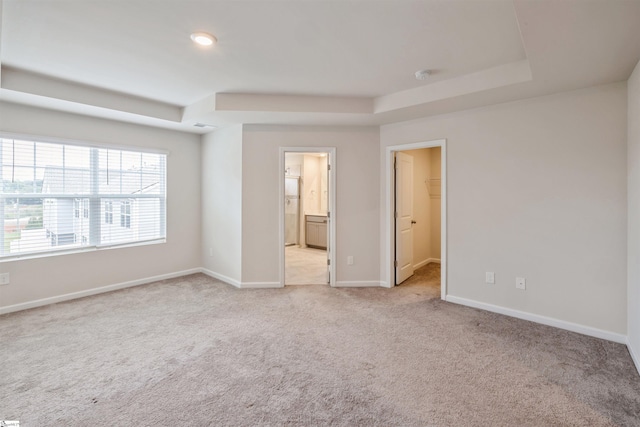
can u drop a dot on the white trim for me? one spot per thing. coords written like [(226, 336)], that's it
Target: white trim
[(634, 355), (387, 269), (331, 206), (358, 284), (260, 285), (549, 321), (425, 262), (221, 277), (95, 291)]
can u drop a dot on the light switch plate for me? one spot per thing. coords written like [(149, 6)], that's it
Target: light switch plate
[(521, 283), (490, 277)]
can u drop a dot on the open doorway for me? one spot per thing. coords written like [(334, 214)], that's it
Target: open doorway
[(417, 192), (415, 215), (306, 216)]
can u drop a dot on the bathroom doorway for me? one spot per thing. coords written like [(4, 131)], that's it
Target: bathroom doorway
[(306, 222)]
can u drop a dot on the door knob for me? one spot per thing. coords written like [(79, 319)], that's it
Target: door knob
[(413, 222)]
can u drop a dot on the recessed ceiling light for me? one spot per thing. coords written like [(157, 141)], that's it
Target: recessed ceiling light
[(203, 39)]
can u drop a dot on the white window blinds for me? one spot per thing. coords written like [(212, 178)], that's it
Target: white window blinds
[(67, 197)]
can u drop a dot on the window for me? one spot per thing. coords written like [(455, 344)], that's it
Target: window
[(125, 214), (108, 212), (53, 196)]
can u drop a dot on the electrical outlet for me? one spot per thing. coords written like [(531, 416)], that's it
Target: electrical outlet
[(521, 283), (490, 277), (4, 279), (210, 251), (350, 260)]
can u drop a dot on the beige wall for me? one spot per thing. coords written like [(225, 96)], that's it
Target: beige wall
[(222, 203), (357, 207), (421, 207), (41, 278), (311, 179), (633, 230), (537, 189), (435, 208)]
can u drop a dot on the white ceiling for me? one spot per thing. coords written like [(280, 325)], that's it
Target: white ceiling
[(336, 62)]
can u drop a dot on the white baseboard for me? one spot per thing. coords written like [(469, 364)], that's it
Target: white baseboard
[(239, 284), (358, 284), (425, 262), (260, 285), (634, 355), (221, 277), (94, 291), (549, 321)]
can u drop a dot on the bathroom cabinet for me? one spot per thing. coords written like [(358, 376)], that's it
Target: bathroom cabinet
[(316, 231)]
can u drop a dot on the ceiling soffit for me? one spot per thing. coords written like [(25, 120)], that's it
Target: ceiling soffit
[(539, 36)]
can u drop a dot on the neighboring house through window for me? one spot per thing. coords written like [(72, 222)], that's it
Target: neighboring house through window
[(53, 196)]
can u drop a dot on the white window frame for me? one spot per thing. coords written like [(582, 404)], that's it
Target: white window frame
[(95, 198)]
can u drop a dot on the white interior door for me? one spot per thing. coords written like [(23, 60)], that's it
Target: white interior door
[(404, 216)]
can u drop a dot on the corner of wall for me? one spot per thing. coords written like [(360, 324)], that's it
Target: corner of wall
[(221, 201)]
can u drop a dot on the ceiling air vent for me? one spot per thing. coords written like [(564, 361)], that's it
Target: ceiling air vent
[(204, 125)]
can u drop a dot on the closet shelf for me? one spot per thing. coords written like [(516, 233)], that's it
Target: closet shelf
[(434, 187)]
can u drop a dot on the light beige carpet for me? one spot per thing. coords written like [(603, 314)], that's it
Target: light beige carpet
[(194, 351)]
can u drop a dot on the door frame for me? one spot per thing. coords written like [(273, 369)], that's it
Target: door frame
[(331, 207), (388, 256)]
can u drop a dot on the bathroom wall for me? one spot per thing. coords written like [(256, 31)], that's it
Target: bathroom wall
[(293, 165), (311, 177), (315, 184)]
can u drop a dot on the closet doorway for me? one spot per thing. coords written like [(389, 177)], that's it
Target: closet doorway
[(403, 257), (306, 216)]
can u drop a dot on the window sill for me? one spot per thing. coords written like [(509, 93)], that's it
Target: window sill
[(74, 251)]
